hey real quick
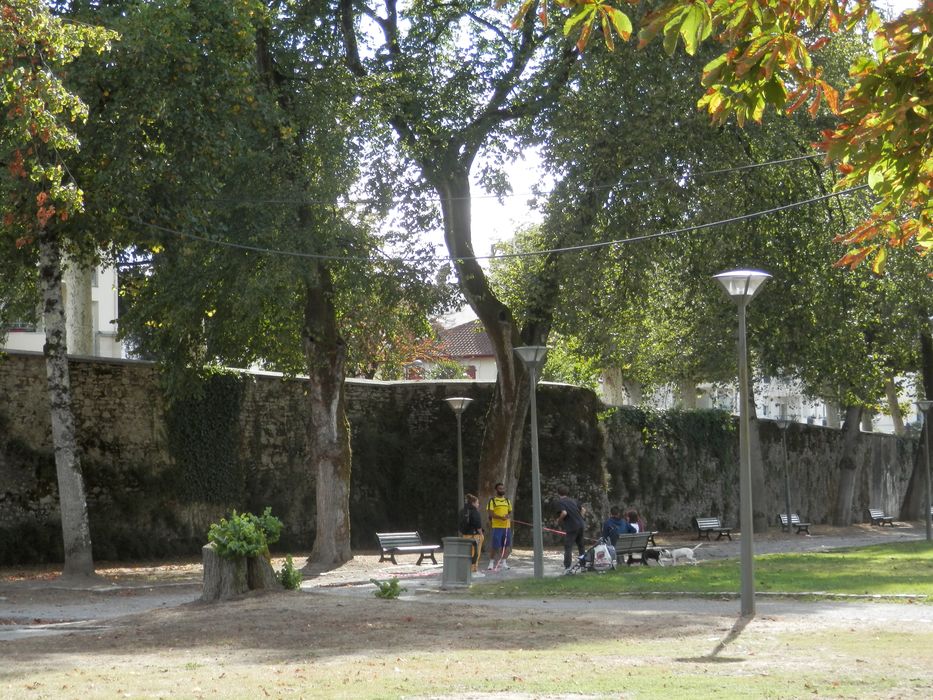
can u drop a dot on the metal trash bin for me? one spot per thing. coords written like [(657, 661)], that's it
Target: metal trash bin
[(458, 562)]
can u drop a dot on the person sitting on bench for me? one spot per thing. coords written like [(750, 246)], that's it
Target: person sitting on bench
[(616, 525)]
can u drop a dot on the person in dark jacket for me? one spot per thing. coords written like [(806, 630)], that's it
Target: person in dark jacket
[(570, 519), (616, 525), (471, 527)]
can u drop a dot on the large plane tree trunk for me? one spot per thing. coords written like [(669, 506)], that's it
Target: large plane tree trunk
[(914, 501), (848, 466), (445, 157), (76, 531), (894, 408), (325, 354), (505, 421)]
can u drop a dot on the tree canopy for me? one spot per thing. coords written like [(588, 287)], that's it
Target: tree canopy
[(883, 139)]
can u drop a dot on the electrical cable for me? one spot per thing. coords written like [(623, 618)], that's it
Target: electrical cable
[(522, 254), (624, 184)]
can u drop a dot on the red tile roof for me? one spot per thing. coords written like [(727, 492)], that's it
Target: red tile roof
[(466, 340)]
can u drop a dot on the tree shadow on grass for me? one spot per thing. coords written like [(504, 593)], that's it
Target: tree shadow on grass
[(715, 656)]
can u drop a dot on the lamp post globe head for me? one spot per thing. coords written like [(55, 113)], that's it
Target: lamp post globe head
[(532, 355), (924, 405), (458, 403), (782, 423), (742, 285)]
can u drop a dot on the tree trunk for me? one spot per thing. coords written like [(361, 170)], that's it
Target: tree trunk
[(915, 496), (634, 392), (325, 354), (76, 530), (228, 578), (832, 415), (687, 394), (223, 578), (848, 466), (260, 576), (79, 316), (894, 408), (505, 420), (617, 391), (445, 156)]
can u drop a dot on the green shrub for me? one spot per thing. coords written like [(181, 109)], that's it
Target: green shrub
[(388, 589), (245, 534), (289, 576)]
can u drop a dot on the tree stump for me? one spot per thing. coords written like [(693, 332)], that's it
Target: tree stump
[(260, 575), (223, 578), (227, 578)]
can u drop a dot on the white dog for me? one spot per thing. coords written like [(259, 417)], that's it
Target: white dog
[(681, 555)]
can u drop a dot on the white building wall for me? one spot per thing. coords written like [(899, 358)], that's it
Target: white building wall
[(104, 313), (485, 369)]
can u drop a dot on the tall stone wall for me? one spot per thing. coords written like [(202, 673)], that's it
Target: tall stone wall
[(157, 475)]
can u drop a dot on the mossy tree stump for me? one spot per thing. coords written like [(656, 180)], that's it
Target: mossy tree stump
[(227, 578)]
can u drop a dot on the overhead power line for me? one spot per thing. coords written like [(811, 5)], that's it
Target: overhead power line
[(550, 251), (624, 184)]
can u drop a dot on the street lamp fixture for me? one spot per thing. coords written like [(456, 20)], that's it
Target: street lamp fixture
[(742, 286), (533, 357), (924, 406), (459, 404)]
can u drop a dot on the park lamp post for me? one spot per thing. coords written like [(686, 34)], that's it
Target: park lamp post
[(459, 405), (533, 356), (742, 286), (783, 423), (924, 407)]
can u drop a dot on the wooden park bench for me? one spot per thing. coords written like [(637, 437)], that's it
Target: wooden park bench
[(630, 544), (878, 517), (392, 543), (706, 526), (794, 522)]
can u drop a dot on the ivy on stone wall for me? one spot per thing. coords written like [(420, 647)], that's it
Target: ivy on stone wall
[(663, 460), (204, 441), (29, 526)]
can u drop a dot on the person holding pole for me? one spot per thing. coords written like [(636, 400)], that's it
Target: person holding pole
[(499, 512), (471, 527), (570, 518)]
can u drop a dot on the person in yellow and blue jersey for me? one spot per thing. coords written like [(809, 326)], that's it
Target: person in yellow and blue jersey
[(499, 512)]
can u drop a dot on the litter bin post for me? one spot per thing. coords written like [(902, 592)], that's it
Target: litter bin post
[(458, 562)]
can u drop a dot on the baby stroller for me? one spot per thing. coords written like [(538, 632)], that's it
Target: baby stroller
[(599, 558)]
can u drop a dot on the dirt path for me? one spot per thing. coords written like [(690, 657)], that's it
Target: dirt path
[(142, 633), (33, 601)]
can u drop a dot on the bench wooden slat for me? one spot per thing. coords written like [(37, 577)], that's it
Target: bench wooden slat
[(708, 525), (392, 543)]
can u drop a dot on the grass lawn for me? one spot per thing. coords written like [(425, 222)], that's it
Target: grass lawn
[(901, 569), (578, 640)]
